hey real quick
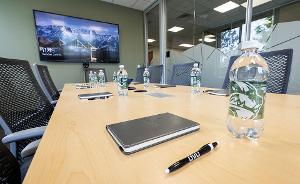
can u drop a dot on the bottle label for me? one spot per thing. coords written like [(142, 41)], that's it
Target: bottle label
[(146, 79), (247, 99), (194, 81), (123, 82)]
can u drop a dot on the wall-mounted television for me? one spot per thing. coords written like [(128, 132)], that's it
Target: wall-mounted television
[(63, 38)]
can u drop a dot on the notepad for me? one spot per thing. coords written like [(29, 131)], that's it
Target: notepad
[(138, 134), (165, 86), (95, 95), (159, 95), (218, 92)]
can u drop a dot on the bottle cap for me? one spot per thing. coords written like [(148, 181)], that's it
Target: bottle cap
[(252, 44), (196, 65), (138, 66)]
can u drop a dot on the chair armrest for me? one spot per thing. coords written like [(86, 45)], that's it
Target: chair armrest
[(30, 149), (24, 134), (54, 102)]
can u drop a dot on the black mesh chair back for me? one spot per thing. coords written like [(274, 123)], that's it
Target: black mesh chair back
[(23, 104), (9, 167), (181, 74), (139, 74), (87, 71), (46, 81), (155, 73), (279, 63)]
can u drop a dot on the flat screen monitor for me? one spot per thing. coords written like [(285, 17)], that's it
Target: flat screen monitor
[(63, 38)]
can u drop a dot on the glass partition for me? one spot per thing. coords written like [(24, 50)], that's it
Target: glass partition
[(152, 18), (209, 37), (209, 32)]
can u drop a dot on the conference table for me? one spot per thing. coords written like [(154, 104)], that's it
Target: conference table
[(76, 147)]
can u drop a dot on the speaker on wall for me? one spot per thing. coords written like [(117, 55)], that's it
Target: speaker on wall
[(168, 54)]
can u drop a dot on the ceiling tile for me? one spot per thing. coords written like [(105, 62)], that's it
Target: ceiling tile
[(135, 4)]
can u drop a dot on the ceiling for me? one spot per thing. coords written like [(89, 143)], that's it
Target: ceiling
[(181, 13), (135, 4)]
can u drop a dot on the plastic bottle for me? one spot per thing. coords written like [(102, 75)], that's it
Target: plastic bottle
[(146, 77), (115, 76), (248, 85), (195, 79), (122, 81), (101, 78), (92, 79)]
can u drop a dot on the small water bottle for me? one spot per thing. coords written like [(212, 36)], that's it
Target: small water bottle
[(146, 77), (92, 80), (248, 85), (122, 81), (115, 76), (195, 79), (95, 78), (91, 77), (101, 78)]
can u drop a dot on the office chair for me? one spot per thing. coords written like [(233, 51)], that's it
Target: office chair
[(11, 172), (87, 72), (181, 74), (155, 73), (139, 74), (44, 78), (279, 63), (24, 108)]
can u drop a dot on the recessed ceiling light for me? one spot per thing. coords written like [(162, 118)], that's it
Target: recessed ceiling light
[(256, 3), (209, 40), (175, 29), (226, 7), (210, 36), (186, 45), (151, 40)]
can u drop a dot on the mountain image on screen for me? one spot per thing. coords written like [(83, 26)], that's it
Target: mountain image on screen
[(70, 39)]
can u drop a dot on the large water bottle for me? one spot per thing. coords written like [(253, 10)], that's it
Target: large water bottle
[(101, 78), (146, 77), (122, 81), (248, 85), (195, 79), (115, 76)]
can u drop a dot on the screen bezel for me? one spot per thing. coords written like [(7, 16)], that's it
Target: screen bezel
[(74, 60)]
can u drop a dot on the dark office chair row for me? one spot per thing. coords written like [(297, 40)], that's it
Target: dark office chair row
[(24, 114)]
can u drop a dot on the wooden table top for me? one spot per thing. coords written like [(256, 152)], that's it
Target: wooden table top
[(76, 147)]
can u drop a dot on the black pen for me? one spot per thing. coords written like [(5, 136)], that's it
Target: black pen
[(205, 149)]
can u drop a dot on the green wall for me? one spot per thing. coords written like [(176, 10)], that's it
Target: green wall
[(17, 33)]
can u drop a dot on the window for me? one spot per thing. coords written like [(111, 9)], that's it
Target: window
[(230, 39)]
